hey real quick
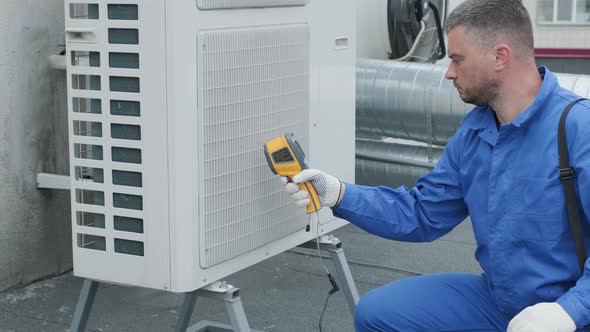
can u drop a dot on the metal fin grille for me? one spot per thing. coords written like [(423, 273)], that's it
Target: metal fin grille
[(219, 4), (254, 86)]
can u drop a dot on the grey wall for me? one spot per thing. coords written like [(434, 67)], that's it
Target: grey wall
[(35, 235)]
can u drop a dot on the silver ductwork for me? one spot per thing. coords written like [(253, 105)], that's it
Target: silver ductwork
[(406, 100), (579, 84), (411, 101), (394, 162)]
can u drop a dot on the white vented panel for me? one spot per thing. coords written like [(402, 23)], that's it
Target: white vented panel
[(168, 109), (106, 132), (117, 131), (254, 86), (218, 4)]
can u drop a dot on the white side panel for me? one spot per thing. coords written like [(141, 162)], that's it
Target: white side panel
[(117, 115), (332, 115)]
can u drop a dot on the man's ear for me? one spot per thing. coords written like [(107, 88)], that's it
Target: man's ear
[(503, 54)]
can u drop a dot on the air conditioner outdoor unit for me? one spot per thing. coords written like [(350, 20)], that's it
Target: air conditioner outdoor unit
[(170, 103)]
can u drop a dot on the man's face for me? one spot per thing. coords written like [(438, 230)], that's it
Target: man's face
[(471, 69)]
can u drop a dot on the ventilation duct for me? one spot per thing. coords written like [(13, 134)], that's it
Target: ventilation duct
[(394, 162), (414, 101), (416, 106)]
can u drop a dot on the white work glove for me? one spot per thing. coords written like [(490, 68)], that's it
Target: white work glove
[(542, 317), (327, 187)]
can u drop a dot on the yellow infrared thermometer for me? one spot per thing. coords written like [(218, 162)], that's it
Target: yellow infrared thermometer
[(286, 158)]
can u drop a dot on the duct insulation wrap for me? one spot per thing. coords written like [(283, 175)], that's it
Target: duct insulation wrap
[(406, 100), (414, 101), (393, 162)]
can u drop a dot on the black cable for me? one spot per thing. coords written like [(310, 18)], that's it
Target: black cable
[(441, 39), (390, 28), (323, 312), (396, 26), (393, 29), (335, 287)]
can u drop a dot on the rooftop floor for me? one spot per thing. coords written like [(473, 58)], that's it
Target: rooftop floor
[(284, 293)]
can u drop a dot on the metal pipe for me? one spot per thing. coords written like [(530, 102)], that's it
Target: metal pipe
[(393, 163), (414, 101), (407, 100), (57, 61), (412, 50), (376, 173), (398, 152)]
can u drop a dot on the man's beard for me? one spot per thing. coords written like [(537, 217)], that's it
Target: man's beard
[(481, 95)]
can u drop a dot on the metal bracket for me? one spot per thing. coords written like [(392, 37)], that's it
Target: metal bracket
[(217, 290), (57, 61), (327, 242), (233, 304), (53, 181)]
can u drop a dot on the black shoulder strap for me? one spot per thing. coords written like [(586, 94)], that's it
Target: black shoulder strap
[(566, 175)]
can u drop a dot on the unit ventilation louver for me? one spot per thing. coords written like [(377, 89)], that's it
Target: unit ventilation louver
[(254, 85), (107, 152)]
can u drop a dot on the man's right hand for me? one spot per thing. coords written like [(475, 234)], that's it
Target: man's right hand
[(329, 188)]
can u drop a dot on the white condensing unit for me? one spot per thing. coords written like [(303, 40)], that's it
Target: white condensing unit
[(170, 103)]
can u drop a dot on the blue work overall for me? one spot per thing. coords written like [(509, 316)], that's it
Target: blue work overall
[(506, 179)]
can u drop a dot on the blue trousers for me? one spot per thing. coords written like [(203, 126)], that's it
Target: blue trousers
[(437, 302)]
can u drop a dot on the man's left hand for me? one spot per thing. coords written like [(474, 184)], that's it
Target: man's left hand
[(542, 317)]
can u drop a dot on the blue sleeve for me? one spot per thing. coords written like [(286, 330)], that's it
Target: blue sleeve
[(426, 212), (576, 302)]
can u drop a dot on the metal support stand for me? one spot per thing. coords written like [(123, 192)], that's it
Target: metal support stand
[(233, 304), (85, 302), (217, 290), (227, 293), (333, 245)]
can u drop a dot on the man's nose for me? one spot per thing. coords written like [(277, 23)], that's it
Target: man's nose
[(450, 74)]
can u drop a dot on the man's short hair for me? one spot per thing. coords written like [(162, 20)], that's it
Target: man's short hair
[(492, 21)]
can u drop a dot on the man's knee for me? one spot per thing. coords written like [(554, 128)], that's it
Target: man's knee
[(364, 315), (402, 305), (371, 315)]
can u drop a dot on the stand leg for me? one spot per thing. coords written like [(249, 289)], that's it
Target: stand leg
[(345, 278), (186, 311), (233, 304), (333, 245), (237, 315), (85, 302)]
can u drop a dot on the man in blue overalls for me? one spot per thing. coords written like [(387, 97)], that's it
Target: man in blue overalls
[(500, 168)]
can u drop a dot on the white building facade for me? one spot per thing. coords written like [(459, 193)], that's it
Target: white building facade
[(561, 28)]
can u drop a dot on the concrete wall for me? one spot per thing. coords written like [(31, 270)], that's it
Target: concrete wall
[(35, 235)]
